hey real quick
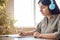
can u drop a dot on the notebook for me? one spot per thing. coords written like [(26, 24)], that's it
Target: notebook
[(12, 35)]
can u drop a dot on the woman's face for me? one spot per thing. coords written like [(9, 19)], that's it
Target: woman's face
[(44, 9)]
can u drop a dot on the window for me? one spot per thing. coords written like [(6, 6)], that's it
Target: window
[(24, 13), (27, 13)]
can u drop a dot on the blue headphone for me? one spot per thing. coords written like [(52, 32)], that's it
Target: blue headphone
[(52, 5)]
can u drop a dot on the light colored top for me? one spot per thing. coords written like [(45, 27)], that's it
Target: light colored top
[(50, 26)]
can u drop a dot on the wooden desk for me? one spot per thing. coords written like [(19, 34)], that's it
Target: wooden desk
[(25, 38)]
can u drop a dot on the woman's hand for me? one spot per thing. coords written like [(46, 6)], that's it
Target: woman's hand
[(37, 35), (26, 33), (23, 33)]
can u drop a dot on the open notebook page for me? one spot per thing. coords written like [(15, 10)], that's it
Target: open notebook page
[(12, 35)]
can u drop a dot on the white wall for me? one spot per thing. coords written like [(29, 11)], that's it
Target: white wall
[(58, 2)]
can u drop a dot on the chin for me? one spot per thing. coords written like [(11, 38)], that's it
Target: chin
[(43, 14)]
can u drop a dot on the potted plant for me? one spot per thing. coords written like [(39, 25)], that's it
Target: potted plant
[(6, 20)]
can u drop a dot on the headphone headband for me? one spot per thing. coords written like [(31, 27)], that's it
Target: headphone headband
[(51, 1)]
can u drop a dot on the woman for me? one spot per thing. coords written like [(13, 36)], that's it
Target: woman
[(49, 27)]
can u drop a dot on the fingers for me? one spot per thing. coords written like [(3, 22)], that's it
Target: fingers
[(36, 35), (23, 34)]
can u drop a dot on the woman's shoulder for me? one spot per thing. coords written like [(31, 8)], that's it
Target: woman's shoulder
[(59, 15)]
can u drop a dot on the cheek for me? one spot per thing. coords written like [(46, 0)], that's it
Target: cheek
[(45, 11)]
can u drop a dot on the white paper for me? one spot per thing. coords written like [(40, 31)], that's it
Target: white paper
[(12, 35)]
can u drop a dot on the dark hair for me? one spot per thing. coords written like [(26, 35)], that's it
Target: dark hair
[(47, 3)]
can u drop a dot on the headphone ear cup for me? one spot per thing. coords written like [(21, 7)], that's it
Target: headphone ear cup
[(52, 6)]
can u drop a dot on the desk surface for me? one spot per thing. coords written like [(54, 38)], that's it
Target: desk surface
[(24, 38)]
